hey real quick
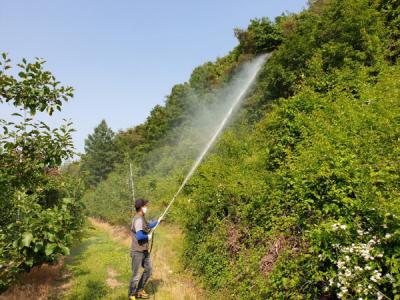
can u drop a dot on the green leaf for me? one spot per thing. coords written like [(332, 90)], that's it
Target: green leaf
[(38, 246), (50, 248), (27, 238), (29, 261), (64, 250), (67, 200)]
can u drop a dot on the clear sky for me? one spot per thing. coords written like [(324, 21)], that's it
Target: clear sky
[(123, 56)]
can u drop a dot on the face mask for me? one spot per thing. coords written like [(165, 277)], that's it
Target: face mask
[(144, 209)]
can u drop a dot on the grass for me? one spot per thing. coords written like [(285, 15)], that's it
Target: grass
[(99, 267)]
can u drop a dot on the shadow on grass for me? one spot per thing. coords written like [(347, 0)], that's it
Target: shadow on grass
[(79, 250), (154, 284), (94, 290)]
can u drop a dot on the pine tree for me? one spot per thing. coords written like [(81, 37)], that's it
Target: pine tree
[(100, 154)]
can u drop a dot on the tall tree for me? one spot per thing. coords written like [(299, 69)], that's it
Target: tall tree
[(39, 208), (100, 154)]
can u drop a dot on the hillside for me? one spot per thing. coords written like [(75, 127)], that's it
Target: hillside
[(300, 196)]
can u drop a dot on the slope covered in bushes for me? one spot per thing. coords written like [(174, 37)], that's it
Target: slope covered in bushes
[(300, 197)]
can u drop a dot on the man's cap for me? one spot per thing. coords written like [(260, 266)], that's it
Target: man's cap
[(139, 203)]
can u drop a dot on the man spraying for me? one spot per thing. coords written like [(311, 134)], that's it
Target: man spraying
[(141, 236)]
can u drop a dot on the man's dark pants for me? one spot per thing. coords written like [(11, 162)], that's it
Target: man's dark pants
[(139, 259)]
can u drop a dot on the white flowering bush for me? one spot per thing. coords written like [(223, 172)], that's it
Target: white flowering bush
[(361, 261)]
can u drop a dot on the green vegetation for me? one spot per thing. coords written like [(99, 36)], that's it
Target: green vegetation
[(300, 198), (99, 266), (96, 259), (39, 205), (100, 155), (318, 178)]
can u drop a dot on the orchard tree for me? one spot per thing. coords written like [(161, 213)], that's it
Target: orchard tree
[(31, 230), (29, 148)]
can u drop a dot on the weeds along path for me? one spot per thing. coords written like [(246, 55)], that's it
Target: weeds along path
[(100, 265)]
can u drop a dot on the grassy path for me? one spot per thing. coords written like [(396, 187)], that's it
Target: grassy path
[(99, 268), (97, 259)]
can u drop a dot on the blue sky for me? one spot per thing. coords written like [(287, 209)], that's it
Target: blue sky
[(123, 57)]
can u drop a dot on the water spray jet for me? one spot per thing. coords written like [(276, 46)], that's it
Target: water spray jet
[(253, 68)]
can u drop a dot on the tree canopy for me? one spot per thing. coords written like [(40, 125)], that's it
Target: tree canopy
[(40, 209), (100, 154)]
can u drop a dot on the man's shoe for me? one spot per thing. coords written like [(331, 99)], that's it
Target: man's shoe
[(142, 295)]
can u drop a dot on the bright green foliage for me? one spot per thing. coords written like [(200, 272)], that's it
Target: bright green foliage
[(261, 36), (39, 207), (300, 197), (37, 89), (100, 154), (312, 163)]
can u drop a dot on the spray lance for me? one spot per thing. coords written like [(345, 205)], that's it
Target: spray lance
[(256, 66), (132, 187)]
